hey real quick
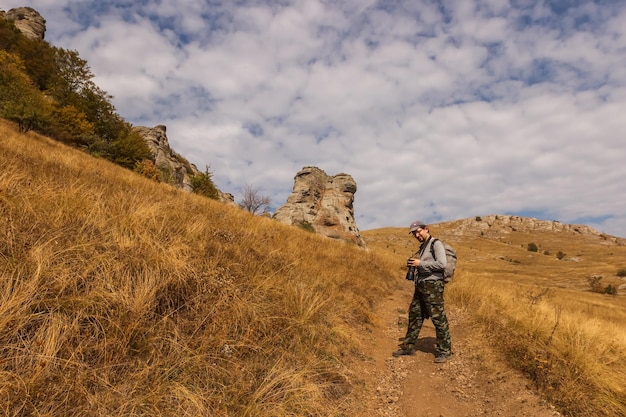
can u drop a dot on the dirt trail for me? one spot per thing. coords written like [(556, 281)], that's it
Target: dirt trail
[(474, 382)]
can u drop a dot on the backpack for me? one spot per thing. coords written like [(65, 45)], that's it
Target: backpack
[(448, 273)]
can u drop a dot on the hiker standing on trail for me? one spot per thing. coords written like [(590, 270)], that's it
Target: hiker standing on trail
[(428, 297)]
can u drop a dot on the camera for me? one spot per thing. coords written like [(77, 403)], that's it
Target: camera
[(411, 272)]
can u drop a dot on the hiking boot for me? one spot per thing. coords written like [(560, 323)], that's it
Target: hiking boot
[(404, 351), (442, 358)]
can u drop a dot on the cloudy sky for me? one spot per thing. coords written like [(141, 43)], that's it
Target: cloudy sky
[(439, 109)]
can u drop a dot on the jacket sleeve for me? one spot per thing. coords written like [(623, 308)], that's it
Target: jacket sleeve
[(430, 266)]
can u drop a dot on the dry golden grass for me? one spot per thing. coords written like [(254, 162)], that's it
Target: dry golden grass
[(122, 296), (539, 311)]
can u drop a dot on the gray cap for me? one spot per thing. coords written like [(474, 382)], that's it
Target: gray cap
[(417, 224)]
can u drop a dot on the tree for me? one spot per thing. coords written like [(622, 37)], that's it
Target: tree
[(20, 100), (51, 90), (70, 125), (252, 200), (202, 184), (128, 147)]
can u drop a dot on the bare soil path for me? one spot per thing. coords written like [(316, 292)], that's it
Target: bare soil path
[(474, 382)]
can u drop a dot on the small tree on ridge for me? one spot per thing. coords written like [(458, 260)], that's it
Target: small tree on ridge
[(252, 200)]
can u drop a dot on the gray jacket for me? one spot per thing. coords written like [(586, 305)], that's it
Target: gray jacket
[(431, 269)]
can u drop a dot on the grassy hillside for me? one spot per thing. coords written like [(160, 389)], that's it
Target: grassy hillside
[(538, 310), (122, 296)]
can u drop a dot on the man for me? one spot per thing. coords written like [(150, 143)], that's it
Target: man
[(428, 297)]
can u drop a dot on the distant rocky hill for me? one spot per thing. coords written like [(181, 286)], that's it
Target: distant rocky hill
[(325, 202), (499, 225)]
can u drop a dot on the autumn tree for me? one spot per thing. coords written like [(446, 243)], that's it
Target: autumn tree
[(20, 100)]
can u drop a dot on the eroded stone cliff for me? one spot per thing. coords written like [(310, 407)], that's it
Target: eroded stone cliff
[(177, 169), (324, 202), (27, 20)]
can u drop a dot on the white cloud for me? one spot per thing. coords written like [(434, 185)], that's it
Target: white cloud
[(438, 110)]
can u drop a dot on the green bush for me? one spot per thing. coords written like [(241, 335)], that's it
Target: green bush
[(202, 184), (307, 226), (621, 272), (128, 148), (532, 247), (595, 283)]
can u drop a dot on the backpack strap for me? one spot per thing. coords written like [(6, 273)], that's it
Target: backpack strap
[(432, 247)]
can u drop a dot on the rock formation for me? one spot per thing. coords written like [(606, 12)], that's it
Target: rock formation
[(504, 223), (177, 169), (501, 225), (27, 20), (323, 202)]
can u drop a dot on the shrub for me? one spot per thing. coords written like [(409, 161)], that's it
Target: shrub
[(147, 169), (128, 148), (307, 226), (621, 272), (560, 255), (167, 175), (202, 184), (532, 247), (595, 283)]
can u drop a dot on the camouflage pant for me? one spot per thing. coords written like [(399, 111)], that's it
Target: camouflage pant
[(428, 302)]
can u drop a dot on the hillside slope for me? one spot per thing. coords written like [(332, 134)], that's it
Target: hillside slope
[(122, 296)]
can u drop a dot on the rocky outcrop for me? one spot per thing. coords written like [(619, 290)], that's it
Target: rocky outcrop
[(28, 21), (323, 202), (501, 225), (506, 223), (174, 168)]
